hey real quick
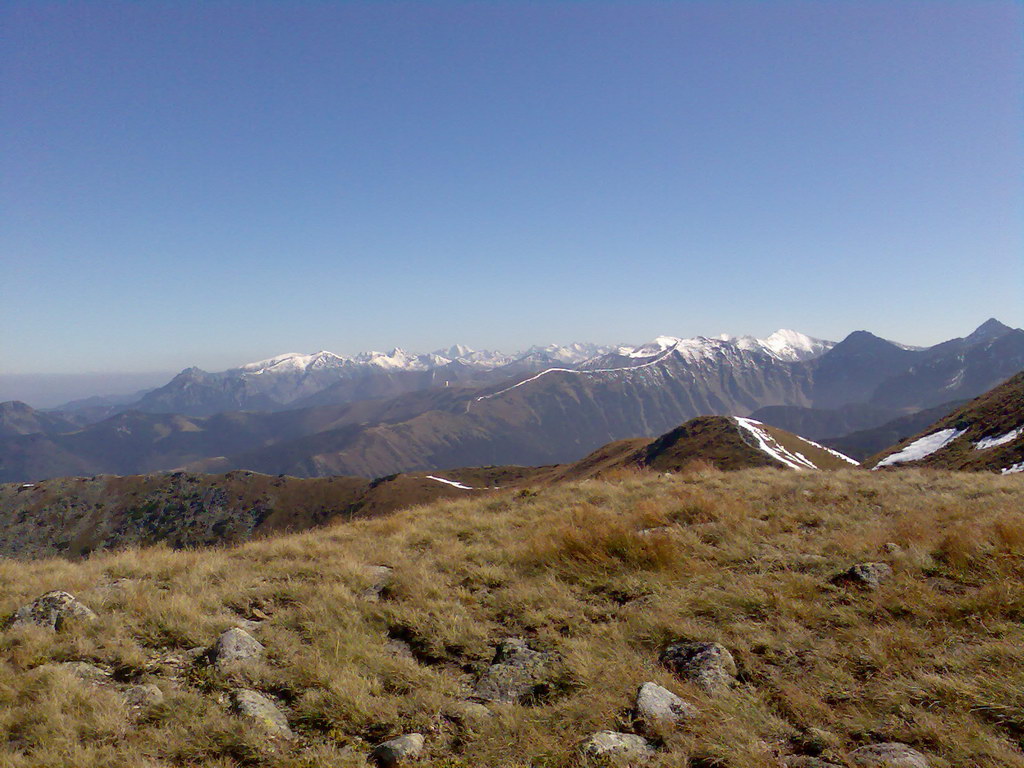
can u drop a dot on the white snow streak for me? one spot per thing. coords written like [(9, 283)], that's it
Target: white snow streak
[(772, 447), (1013, 469), (578, 373), (992, 442), (837, 454), (452, 483), (924, 446)]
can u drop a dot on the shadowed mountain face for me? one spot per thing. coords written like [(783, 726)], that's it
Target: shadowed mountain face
[(985, 434), (539, 417), (17, 418), (864, 443)]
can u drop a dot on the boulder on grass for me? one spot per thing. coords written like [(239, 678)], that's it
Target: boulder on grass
[(888, 755), (404, 749), (51, 611), (864, 575), (516, 673), (709, 666), (260, 709), (658, 707), (617, 748), (235, 646)]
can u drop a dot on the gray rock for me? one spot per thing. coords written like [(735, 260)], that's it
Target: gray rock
[(397, 751), (263, 711), (659, 707), (51, 611), (710, 666), (235, 646), (141, 696), (515, 673), (469, 713), (801, 761), (399, 648), (618, 748), (83, 670), (380, 576), (892, 548), (866, 575), (888, 755)]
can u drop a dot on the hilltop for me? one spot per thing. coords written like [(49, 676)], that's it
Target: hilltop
[(508, 629)]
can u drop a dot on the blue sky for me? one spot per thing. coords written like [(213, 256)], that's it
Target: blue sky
[(211, 183)]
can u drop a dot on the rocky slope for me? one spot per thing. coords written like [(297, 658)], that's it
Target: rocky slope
[(754, 619), (76, 516)]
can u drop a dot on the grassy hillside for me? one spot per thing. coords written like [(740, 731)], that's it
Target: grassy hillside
[(601, 575), (999, 413)]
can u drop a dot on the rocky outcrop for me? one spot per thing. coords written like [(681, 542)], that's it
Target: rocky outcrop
[(709, 666), (51, 611), (516, 673)]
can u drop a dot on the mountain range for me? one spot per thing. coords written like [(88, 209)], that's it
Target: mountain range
[(377, 414)]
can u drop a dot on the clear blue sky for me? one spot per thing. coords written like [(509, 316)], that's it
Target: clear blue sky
[(210, 183)]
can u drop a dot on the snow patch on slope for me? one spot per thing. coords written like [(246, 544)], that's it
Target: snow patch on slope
[(922, 447), (578, 372), (452, 483), (1013, 469), (992, 442), (772, 447), (837, 454)]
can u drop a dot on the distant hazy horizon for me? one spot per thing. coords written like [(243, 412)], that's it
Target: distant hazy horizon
[(208, 184), (47, 390)]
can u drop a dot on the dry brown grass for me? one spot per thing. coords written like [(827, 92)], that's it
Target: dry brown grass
[(934, 658)]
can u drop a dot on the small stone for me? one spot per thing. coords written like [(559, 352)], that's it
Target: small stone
[(866, 575), (469, 713), (516, 673), (397, 751), (802, 761), (888, 755), (380, 577), (710, 666), (51, 611), (618, 748), (234, 646), (659, 707), (399, 648), (257, 707), (83, 670), (141, 696), (892, 548)]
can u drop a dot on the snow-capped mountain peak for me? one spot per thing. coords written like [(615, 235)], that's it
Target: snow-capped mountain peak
[(786, 344), (294, 362)]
